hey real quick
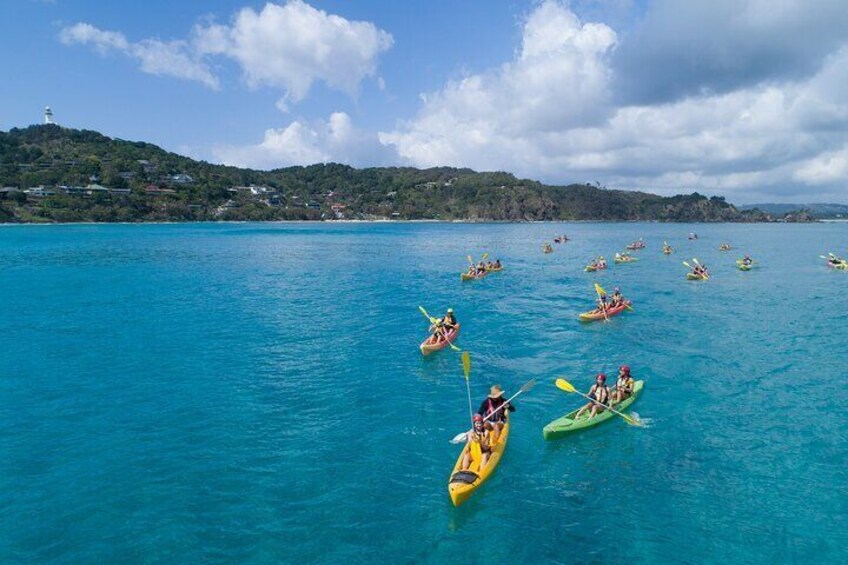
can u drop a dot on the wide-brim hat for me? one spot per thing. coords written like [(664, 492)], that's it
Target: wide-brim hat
[(496, 391)]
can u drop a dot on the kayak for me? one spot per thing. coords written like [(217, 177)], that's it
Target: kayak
[(631, 260), (467, 277), (428, 347), (551, 250), (742, 266), (841, 266), (634, 247), (668, 251), (494, 270), (593, 315), (566, 424), (725, 248), (462, 484), (593, 267), (694, 277)]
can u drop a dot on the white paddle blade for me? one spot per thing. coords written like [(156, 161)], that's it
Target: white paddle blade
[(460, 438)]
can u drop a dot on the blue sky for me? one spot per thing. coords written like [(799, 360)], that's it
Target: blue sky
[(744, 98)]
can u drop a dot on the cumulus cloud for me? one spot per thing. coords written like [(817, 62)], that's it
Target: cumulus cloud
[(172, 58), (691, 48), (293, 45), (558, 80), (335, 139), (551, 113), (288, 46)]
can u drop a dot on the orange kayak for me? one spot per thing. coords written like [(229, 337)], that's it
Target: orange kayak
[(594, 315)]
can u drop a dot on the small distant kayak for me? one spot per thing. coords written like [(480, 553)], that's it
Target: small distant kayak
[(548, 250), (636, 245), (593, 268), (742, 266), (724, 248), (428, 346), (467, 277), (694, 277), (594, 315), (623, 260), (668, 250), (495, 270), (566, 424), (462, 484)]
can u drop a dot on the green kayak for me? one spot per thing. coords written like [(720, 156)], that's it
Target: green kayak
[(562, 426)]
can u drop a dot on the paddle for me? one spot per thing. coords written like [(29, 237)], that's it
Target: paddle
[(435, 321), (566, 386), (600, 292), (476, 449), (461, 437)]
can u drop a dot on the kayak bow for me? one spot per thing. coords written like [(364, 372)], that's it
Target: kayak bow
[(462, 484)]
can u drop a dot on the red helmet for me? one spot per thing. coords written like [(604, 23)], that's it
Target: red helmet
[(601, 377), (477, 418), (625, 369)]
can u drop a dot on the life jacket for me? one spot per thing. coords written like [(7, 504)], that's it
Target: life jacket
[(594, 393)]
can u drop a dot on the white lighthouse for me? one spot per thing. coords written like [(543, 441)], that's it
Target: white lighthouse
[(48, 116)]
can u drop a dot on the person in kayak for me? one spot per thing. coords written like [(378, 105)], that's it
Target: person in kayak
[(472, 271), (481, 268), (449, 322), (602, 304), (700, 270), (497, 263), (480, 433), (494, 410), (617, 299), (623, 385), (600, 395), (747, 261)]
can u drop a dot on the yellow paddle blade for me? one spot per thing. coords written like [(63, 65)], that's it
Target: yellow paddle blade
[(483, 258), (466, 364), (564, 385), (600, 290), (470, 260)]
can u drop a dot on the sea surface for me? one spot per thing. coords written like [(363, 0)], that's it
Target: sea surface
[(254, 393)]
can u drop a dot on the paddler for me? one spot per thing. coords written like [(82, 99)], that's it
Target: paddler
[(489, 265), (497, 263), (600, 394), (602, 303), (623, 385), (472, 271), (480, 433), (481, 268), (494, 410), (747, 261), (449, 322), (617, 299)]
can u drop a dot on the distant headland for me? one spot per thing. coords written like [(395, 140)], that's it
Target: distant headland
[(51, 174)]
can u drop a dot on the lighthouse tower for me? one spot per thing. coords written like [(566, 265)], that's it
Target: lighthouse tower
[(48, 116)]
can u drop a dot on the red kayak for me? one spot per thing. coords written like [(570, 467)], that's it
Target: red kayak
[(428, 345)]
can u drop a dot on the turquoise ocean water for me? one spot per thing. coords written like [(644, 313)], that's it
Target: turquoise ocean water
[(254, 393)]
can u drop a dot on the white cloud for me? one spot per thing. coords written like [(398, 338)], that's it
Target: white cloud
[(304, 143), (173, 58), (293, 45), (288, 46), (549, 113)]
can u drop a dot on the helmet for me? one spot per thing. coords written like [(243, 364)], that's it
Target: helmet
[(601, 377), (450, 310), (625, 369), (477, 418)]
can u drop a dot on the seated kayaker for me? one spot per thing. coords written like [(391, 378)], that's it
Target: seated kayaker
[(494, 410), (438, 330), (497, 263), (747, 261), (472, 271), (601, 262), (623, 385), (600, 394), (602, 304), (480, 433), (449, 321), (617, 299)]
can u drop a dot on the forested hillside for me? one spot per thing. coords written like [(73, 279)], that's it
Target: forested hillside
[(54, 174)]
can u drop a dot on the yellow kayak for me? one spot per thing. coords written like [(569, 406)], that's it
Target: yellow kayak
[(462, 484)]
